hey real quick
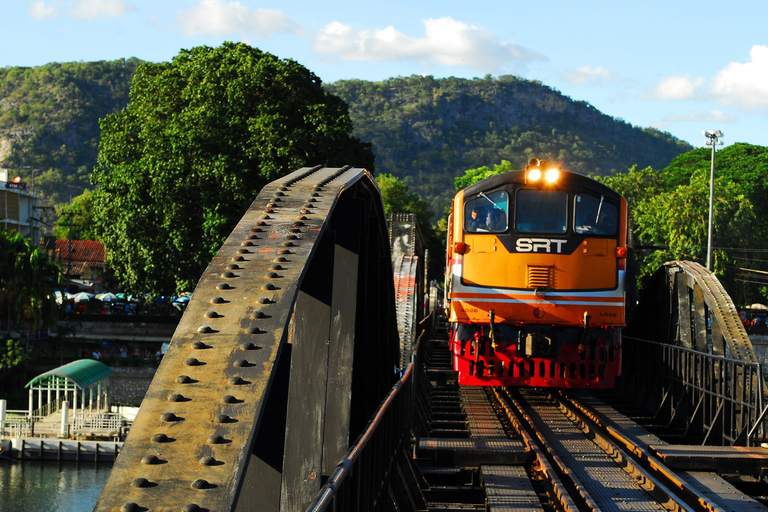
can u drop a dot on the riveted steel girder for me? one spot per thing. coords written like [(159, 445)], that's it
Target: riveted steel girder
[(277, 361)]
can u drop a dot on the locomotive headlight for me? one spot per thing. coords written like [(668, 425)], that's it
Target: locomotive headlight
[(552, 175), (534, 174)]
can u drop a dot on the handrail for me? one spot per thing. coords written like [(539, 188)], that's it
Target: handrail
[(399, 400), (686, 378)]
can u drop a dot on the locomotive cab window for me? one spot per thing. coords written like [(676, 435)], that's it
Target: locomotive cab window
[(541, 211), (594, 215), (487, 213)]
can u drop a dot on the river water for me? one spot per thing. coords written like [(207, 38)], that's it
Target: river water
[(34, 486)]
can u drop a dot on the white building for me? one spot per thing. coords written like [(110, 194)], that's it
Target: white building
[(17, 207)]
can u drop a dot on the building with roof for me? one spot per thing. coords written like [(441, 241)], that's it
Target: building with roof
[(80, 259), (17, 207)]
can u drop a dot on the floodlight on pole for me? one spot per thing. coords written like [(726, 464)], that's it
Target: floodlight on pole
[(713, 139)]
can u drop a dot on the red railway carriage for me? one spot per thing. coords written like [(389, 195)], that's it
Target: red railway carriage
[(535, 280)]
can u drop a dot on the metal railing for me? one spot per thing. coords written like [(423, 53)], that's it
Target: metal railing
[(362, 478), (716, 399)]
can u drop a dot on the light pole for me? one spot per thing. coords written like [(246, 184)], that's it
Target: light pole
[(713, 139)]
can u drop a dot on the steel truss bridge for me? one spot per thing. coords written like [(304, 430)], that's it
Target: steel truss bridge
[(284, 388)]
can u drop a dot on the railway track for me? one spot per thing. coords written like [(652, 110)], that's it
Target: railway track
[(504, 449)]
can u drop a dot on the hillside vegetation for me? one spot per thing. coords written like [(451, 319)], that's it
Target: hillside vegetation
[(49, 121), (428, 131), (425, 131)]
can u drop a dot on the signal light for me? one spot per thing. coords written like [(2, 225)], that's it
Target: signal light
[(552, 175), (534, 174), (621, 252), (459, 247)]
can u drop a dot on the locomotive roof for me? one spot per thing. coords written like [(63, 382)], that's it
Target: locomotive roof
[(566, 178)]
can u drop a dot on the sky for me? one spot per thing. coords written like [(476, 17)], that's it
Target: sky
[(676, 65)]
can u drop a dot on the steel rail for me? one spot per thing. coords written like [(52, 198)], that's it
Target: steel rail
[(664, 493), (195, 444)]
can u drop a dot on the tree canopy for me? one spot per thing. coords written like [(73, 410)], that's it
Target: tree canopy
[(201, 135), (670, 208), (27, 281)]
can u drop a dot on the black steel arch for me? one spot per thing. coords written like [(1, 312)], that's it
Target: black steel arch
[(675, 307), (284, 352)]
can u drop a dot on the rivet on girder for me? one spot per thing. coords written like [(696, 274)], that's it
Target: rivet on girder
[(228, 274), (207, 460), (150, 459), (259, 315), (275, 267), (204, 329), (291, 237), (224, 286), (243, 250), (277, 199), (191, 361), (288, 244), (248, 345), (159, 438), (211, 314), (191, 507), (318, 188), (222, 418), (215, 439), (284, 251), (298, 224), (218, 300), (241, 363), (261, 223), (295, 230), (270, 207), (169, 416), (199, 345), (238, 258), (266, 217), (301, 217), (281, 193), (236, 381), (268, 287), (183, 379), (253, 236), (233, 266), (264, 300), (254, 330), (269, 210), (281, 259), (311, 200), (199, 484), (247, 243), (229, 399), (176, 397), (139, 482), (309, 205), (314, 194), (271, 275), (130, 507), (257, 230)]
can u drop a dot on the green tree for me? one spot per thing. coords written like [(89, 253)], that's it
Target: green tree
[(27, 281), (474, 175), (80, 214), (201, 135)]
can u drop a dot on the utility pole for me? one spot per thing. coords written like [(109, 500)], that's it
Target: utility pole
[(713, 139)]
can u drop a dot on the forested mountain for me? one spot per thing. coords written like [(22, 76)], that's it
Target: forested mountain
[(49, 121), (428, 131), (424, 130)]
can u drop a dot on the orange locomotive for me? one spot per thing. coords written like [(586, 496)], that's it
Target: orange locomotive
[(535, 280)]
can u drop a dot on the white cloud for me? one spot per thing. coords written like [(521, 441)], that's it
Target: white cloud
[(586, 75), (675, 88), (221, 18), (41, 11), (710, 116), (744, 85), (91, 10), (446, 42)]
